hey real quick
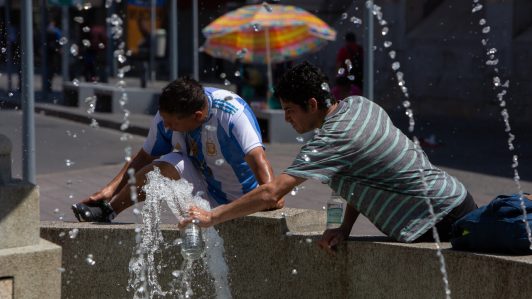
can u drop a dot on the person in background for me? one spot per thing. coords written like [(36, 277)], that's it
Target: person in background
[(350, 60)]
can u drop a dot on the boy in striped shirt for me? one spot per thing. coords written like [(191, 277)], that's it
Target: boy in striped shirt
[(363, 157)]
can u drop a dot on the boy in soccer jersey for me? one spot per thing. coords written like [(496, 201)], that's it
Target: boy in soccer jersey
[(362, 156), (208, 136)]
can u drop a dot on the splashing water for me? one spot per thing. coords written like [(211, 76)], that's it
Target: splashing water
[(502, 89), (144, 267)]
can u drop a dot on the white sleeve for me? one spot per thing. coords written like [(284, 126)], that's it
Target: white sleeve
[(246, 131), (156, 143)]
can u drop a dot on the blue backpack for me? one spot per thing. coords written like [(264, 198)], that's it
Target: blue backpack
[(496, 228)]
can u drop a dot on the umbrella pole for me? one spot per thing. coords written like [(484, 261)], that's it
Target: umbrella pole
[(268, 64)]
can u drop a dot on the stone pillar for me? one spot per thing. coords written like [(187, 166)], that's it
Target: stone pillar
[(28, 264)]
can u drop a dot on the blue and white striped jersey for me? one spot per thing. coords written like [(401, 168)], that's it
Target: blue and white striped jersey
[(217, 147)]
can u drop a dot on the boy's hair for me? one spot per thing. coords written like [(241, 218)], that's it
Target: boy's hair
[(182, 97), (302, 82)]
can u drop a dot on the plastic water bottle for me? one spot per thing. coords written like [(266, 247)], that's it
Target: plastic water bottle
[(193, 245), (335, 211)]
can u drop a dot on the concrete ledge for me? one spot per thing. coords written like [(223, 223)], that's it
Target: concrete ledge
[(19, 214), (272, 255), (34, 269)]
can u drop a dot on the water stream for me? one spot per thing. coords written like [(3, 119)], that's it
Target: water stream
[(146, 264), (501, 88)]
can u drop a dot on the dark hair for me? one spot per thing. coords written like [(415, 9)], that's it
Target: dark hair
[(302, 82), (350, 37), (183, 97)]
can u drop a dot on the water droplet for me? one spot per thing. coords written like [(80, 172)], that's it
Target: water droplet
[(300, 139), (63, 41), (476, 8), (219, 162), (325, 86), (343, 16), (267, 7), (355, 20), (308, 240), (294, 272), (514, 160), (86, 43), (341, 71), (294, 191), (69, 163), (385, 31), (10, 94), (496, 81), (62, 234), (328, 103), (396, 65), (90, 260), (237, 73), (222, 76), (78, 19), (387, 44), (482, 22), (306, 157), (210, 128), (74, 50), (121, 58), (486, 29), (73, 233), (241, 53), (87, 5), (101, 46), (75, 82), (56, 211), (348, 64), (176, 273), (4, 50), (351, 77), (256, 27), (86, 29), (94, 123), (392, 54), (227, 82)]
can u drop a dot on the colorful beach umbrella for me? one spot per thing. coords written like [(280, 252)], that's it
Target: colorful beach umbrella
[(266, 33)]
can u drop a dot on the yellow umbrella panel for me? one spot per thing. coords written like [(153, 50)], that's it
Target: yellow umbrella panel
[(246, 32)]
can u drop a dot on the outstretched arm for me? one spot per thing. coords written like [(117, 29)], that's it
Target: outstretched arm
[(264, 197)]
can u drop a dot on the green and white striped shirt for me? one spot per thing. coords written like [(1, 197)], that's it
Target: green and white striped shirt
[(379, 170)]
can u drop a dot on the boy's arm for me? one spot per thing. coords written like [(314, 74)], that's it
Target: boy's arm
[(264, 197)]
